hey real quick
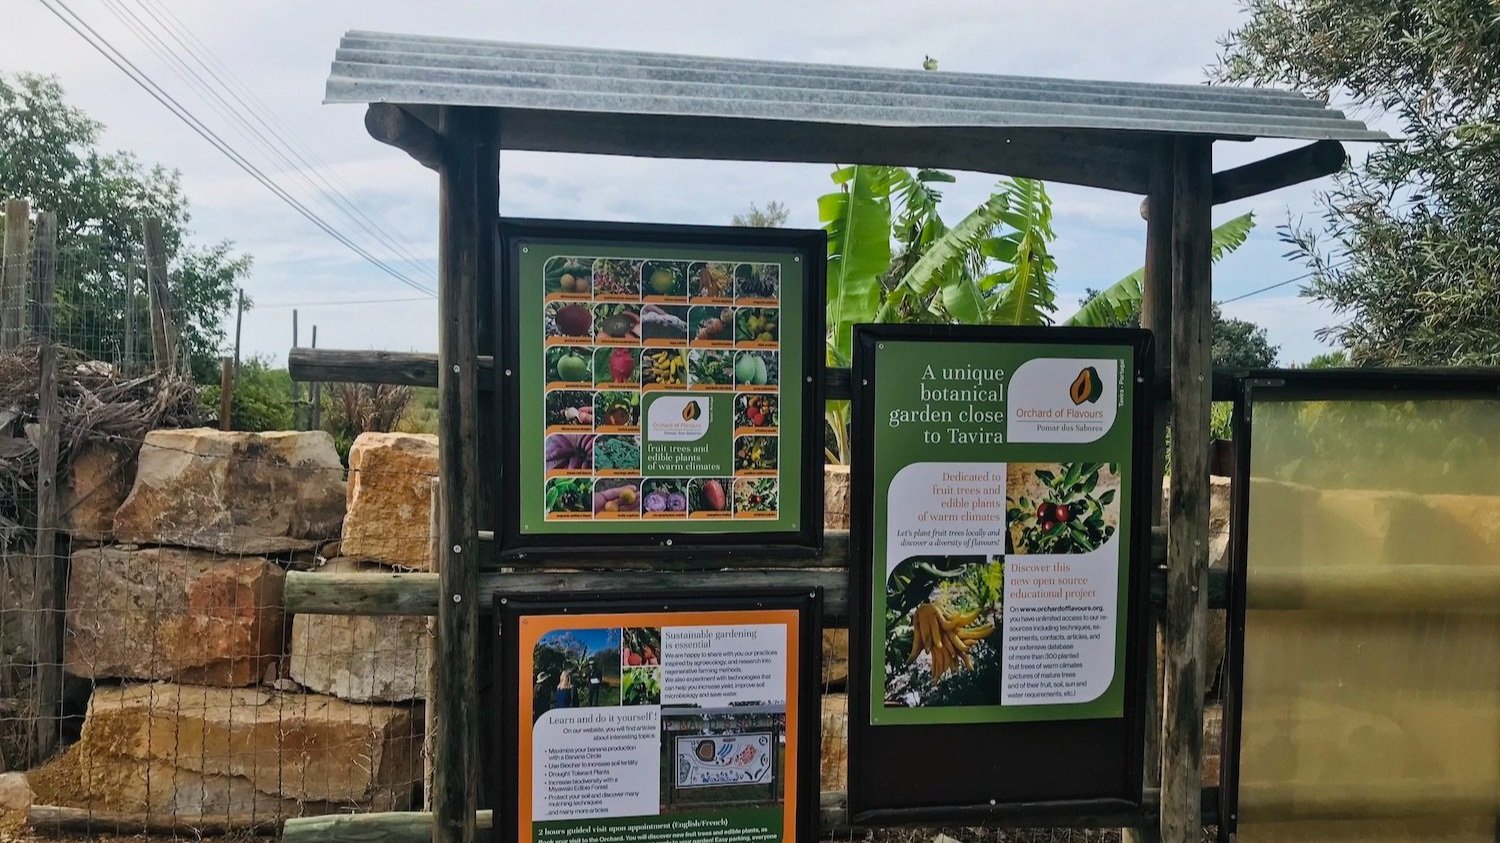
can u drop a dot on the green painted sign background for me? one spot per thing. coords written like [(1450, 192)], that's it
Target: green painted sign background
[(714, 455), (945, 402)]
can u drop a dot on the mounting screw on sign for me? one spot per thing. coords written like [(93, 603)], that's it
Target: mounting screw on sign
[(458, 598), (458, 548)]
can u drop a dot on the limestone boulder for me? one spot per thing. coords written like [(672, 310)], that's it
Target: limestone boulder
[(96, 481), (171, 613), (234, 492), (360, 658), (834, 755), (390, 498), (15, 800), (835, 657), (835, 497), (305, 747), (84, 778)]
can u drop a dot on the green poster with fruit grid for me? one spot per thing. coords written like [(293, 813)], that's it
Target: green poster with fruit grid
[(1002, 531), (660, 388)]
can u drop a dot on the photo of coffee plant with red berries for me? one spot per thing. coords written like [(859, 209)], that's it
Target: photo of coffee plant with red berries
[(1061, 507)]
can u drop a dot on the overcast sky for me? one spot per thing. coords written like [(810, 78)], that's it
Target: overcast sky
[(281, 51)]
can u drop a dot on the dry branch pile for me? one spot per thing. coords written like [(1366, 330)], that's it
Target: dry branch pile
[(96, 403)]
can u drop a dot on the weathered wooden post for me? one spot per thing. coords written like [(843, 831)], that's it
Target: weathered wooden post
[(435, 563), (466, 219), (239, 322), (296, 388), (226, 393), (1187, 525), (159, 291), (13, 271), (50, 580), (315, 395)]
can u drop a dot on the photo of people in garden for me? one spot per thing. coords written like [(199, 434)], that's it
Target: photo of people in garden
[(575, 668)]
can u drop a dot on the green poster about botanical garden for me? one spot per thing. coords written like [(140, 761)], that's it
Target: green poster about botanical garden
[(1002, 530)]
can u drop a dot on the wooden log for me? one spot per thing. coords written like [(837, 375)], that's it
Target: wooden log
[(164, 348), (416, 827), (49, 570), (1156, 316), (332, 365), (1187, 531), (1314, 161), (388, 827), (55, 819), (417, 593), (465, 229), (14, 270), (391, 124)]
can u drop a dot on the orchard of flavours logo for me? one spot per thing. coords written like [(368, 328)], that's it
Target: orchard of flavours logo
[(1087, 387)]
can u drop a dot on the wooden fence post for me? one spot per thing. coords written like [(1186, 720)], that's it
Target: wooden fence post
[(239, 322), (13, 274), (226, 393), (1156, 316), (315, 395), (296, 388), (49, 570), (435, 562), (466, 243), (159, 292), (1187, 524)]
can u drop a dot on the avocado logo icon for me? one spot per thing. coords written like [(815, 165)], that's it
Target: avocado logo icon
[(691, 411), (1086, 387)]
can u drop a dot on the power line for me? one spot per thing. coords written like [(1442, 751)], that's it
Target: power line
[(284, 304), (1266, 289), (112, 54), (308, 166)]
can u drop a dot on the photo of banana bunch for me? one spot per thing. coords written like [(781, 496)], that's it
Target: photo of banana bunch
[(942, 620)]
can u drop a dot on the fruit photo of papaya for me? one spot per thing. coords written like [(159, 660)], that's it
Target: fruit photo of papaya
[(1086, 387)]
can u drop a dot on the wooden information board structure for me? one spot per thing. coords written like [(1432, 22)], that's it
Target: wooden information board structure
[(454, 104)]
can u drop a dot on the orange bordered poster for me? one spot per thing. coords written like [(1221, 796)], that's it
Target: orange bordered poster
[(687, 717)]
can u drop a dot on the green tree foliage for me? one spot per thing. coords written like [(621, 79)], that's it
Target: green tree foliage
[(261, 400), (1328, 360), (49, 154), (1407, 251), (1122, 299), (893, 258), (773, 215)]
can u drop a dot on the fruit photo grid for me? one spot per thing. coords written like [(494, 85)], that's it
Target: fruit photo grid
[(620, 332)]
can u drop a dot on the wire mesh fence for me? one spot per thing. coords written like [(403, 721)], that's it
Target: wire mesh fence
[(151, 677)]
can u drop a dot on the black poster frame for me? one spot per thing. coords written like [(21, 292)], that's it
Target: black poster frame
[(502, 774), (1379, 384), (1040, 754), (811, 245)]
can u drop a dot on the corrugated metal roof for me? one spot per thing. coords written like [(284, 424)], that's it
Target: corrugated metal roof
[(422, 70)]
